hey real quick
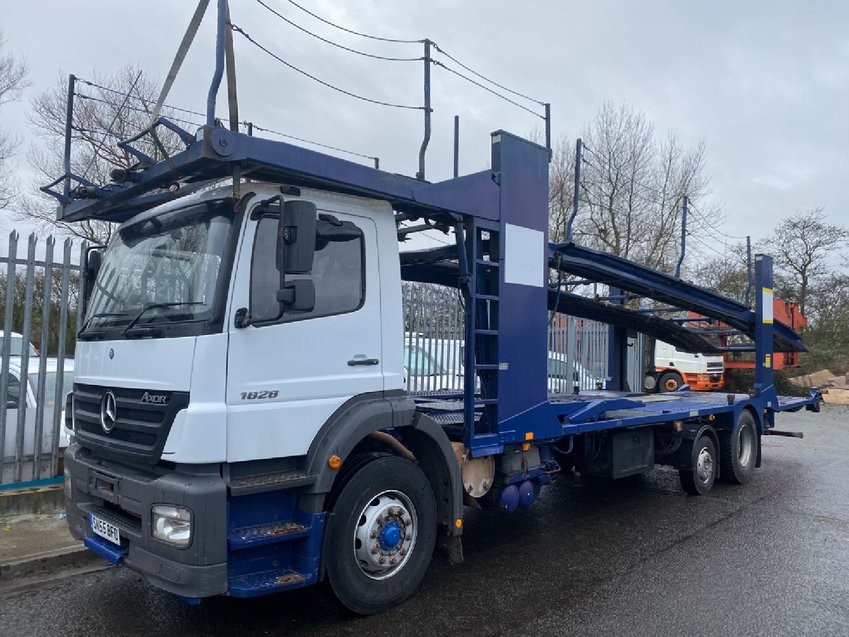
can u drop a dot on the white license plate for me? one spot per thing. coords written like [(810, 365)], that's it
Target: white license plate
[(105, 530)]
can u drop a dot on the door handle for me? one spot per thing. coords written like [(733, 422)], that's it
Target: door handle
[(363, 361)]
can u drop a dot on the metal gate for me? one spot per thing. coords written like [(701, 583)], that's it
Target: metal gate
[(434, 345), (40, 323)]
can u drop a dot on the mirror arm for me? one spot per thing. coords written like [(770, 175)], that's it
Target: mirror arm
[(286, 295), (242, 318)]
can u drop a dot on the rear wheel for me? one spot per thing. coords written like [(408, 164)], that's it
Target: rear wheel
[(739, 449), (670, 381), (700, 478), (381, 535)]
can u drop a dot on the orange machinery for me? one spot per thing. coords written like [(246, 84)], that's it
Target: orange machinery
[(788, 313)]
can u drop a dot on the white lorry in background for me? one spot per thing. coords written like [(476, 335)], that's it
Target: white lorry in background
[(674, 368)]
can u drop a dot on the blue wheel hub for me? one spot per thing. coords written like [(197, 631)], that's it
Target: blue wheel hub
[(390, 536), (385, 534)]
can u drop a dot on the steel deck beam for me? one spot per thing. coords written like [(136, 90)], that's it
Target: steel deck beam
[(650, 283)]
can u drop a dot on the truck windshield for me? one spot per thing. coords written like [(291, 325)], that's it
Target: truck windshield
[(163, 269)]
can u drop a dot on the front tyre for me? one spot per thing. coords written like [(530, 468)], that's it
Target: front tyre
[(739, 449), (700, 478), (381, 535), (670, 381)]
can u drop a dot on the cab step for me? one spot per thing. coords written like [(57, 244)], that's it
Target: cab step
[(257, 584), (269, 482), (270, 533)]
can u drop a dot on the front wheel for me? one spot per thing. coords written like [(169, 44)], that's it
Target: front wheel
[(739, 448), (669, 381), (381, 535), (700, 478)]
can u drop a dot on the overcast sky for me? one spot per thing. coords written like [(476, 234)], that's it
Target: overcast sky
[(764, 83)]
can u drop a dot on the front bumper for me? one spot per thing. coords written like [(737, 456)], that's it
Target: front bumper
[(124, 496)]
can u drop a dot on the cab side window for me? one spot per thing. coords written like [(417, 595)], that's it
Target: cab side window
[(338, 274)]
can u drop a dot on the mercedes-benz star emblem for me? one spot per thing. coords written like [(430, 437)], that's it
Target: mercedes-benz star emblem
[(108, 411)]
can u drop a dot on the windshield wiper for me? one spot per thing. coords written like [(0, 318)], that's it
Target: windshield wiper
[(98, 315), (153, 306)]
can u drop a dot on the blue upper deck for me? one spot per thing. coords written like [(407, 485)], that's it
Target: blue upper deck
[(501, 262)]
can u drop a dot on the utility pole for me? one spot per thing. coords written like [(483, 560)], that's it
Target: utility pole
[(684, 209), (749, 274), (456, 146), (576, 193), (426, 140)]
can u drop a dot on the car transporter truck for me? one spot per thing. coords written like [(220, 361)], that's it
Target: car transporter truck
[(239, 415)]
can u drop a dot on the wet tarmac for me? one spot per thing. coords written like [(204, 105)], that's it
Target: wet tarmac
[(591, 557)]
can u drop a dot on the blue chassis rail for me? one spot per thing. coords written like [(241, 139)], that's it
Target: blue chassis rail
[(604, 410)]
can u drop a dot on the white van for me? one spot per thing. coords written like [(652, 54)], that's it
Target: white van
[(17, 344), (28, 392)]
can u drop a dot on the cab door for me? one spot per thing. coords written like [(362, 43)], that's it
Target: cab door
[(286, 376)]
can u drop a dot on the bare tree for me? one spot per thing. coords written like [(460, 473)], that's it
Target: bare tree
[(561, 185), (106, 111), (632, 185), (13, 79), (727, 274), (805, 246)]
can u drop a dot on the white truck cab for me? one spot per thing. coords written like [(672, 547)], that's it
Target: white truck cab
[(674, 368), (258, 391), (227, 360)]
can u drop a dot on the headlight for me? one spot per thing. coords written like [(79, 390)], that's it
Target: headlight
[(172, 524)]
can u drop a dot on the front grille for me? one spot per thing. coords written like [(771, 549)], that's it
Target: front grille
[(141, 428), (715, 367)]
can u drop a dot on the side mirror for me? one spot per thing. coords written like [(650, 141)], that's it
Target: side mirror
[(296, 238), (93, 261)]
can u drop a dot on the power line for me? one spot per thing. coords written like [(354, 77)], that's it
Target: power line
[(184, 121), (714, 233), (109, 128), (638, 185), (140, 98), (483, 77), (605, 206), (135, 109), (486, 88), (364, 35), (707, 245), (717, 230), (435, 46), (308, 141), (340, 46), (247, 36)]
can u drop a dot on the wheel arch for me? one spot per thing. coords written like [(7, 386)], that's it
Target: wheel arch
[(352, 423), (683, 458)]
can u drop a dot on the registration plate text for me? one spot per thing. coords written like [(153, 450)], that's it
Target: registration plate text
[(105, 530)]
